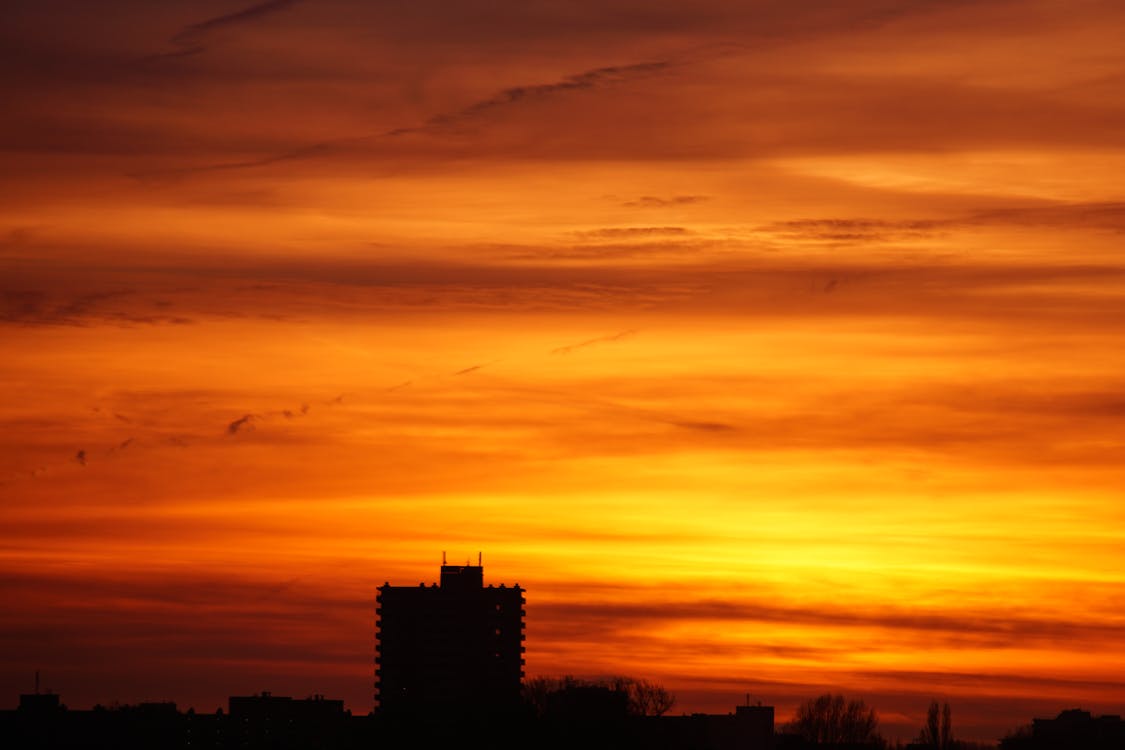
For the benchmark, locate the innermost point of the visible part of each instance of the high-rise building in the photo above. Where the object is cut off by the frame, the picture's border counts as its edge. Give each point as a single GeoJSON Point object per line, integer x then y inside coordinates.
{"type": "Point", "coordinates": [449, 647]}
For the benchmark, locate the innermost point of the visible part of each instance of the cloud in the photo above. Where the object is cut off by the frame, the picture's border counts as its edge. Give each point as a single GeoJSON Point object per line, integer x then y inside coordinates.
{"type": "Point", "coordinates": [246, 420]}
{"type": "Point", "coordinates": [29, 306]}
{"type": "Point", "coordinates": [194, 31]}
{"type": "Point", "coordinates": [294, 413]}
{"type": "Point", "coordinates": [968, 629]}
{"type": "Point", "coordinates": [440, 123]}
{"type": "Point", "coordinates": [652, 201]}
{"type": "Point", "coordinates": [592, 342]}
{"type": "Point", "coordinates": [518, 94]}
{"type": "Point", "coordinates": [190, 39]}
{"type": "Point", "coordinates": [1101, 215]}
{"type": "Point", "coordinates": [1108, 215]}
{"type": "Point", "coordinates": [118, 307]}
{"type": "Point", "coordinates": [628, 232]}
{"type": "Point", "coordinates": [711, 277]}
{"type": "Point", "coordinates": [854, 230]}
{"type": "Point", "coordinates": [705, 426]}
{"type": "Point", "coordinates": [622, 251]}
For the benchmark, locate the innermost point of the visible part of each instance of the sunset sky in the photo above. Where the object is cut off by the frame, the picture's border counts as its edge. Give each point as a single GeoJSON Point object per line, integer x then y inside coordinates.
{"type": "Point", "coordinates": [774, 347]}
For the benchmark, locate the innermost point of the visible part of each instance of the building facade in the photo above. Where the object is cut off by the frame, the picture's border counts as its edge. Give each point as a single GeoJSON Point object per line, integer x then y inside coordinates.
{"type": "Point", "coordinates": [451, 647]}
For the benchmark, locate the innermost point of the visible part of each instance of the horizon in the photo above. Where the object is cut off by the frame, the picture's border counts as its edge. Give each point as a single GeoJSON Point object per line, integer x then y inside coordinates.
{"type": "Point", "coordinates": [773, 348]}
{"type": "Point", "coordinates": [901, 723]}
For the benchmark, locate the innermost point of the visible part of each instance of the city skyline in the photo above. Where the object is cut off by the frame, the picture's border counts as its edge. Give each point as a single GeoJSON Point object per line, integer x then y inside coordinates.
{"type": "Point", "coordinates": [773, 347]}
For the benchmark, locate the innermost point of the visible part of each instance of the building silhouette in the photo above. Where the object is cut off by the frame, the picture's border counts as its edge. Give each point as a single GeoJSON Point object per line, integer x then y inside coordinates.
{"type": "Point", "coordinates": [449, 648]}
{"type": "Point", "coordinates": [748, 728]}
{"type": "Point", "coordinates": [1079, 730]}
{"type": "Point", "coordinates": [279, 722]}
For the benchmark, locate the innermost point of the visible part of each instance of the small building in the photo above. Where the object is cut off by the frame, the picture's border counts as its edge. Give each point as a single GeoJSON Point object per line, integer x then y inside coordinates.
{"type": "Point", "coordinates": [273, 721]}
{"type": "Point", "coordinates": [748, 728]}
{"type": "Point", "coordinates": [1076, 728]}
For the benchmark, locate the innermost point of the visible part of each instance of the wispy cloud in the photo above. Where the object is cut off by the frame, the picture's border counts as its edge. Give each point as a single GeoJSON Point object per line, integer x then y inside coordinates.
{"type": "Point", "coordinates": [705, 426]}
{"type": "Point", "coordinates": [443, 122]}
{"type": "Point", "coordinates": [193, 32]}
{"type": "Point", "coordinates": [617, 233]}
{"type": "Point", "coordinates": [190, 40]}
{"type": "Point", "coordinates": [35, 307]}
{"type": "Point", "coordinates": [245, 421]}
{"type": "Point", "coordinates": [653, 201]}
{"type": "Point", "coordinates": [1002, 630]}
{"type": "Point", "coordinates": [519, 94]}
{"type": "Point", "coordinates": [1095, 214]}
{"type": "Point", "coordinates": [291, 414]}
{"type": "Point", "coordinates": [854, 230]}
{"type": "Point", "coordinates": [1106, 215]}
{"type": "Point", "coordinates": [570, 348]}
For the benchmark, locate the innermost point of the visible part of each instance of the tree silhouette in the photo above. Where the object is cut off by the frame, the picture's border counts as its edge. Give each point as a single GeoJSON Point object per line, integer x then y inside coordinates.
{"type": "Point", "coordinates": [1019, 738]}
{"type": "Point", "coordinates": [536, 692]}
{"type": "Point", "coordinates": [644, 698]}
{"type": "Point", "coordinates": [832, 719]}
{"type": "Point", "coordinates": [937, 733]}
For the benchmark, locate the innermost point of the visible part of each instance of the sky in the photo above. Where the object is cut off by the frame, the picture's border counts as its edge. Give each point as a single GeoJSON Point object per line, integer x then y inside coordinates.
{"type": "Point", "coordinates": [773, 347]}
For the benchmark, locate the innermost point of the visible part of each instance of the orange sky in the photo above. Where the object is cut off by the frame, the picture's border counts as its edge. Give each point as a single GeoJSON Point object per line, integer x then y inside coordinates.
{"type": "Point", "coordinates": [773, 347]}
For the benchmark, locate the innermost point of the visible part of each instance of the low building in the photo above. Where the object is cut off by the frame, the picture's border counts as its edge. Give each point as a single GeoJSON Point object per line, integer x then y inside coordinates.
{"type": "Point", "coordinates": [1076, 728]}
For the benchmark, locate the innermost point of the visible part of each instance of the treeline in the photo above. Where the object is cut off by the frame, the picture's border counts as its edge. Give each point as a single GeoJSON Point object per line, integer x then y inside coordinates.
{"type": "Point", "coordinates": [640, 697]}
{"type": "Point", "coordinates": [828, 720]}
{"type": "Point", "coordinates": [836, 721]}
{"type": "Point", "coordinates": [833, 721]}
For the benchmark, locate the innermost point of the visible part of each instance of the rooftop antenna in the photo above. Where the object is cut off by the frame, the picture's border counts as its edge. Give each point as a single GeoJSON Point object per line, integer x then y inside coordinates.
{"type": "Point", "coordinates": [478, 560]}
{"type": "Point", "coordinates": [443, 557]}
{"type": "Point", "coordinates": [37, 682]}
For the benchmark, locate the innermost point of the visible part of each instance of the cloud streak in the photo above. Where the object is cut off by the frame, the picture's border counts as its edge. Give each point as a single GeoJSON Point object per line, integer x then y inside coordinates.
{"type": "Point", "coordinates": [191, 39]}
{"type": "Point", "coordinates": [584, 81]}
{"type": "Point", "coordinates": [653, 201]}
{"type": "Point", "coordinates": [447, 122]}
{"type": "Point", "coordinates": [968, 630]}
{"type": "Point", "coordinates": [571, 348]}
{"type": "Point", "coordinates": [193, 32]}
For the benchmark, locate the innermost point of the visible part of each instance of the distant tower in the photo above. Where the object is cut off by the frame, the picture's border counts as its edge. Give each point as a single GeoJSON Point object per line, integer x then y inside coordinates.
{"type": "Point", "coordinates": [449, 648]}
